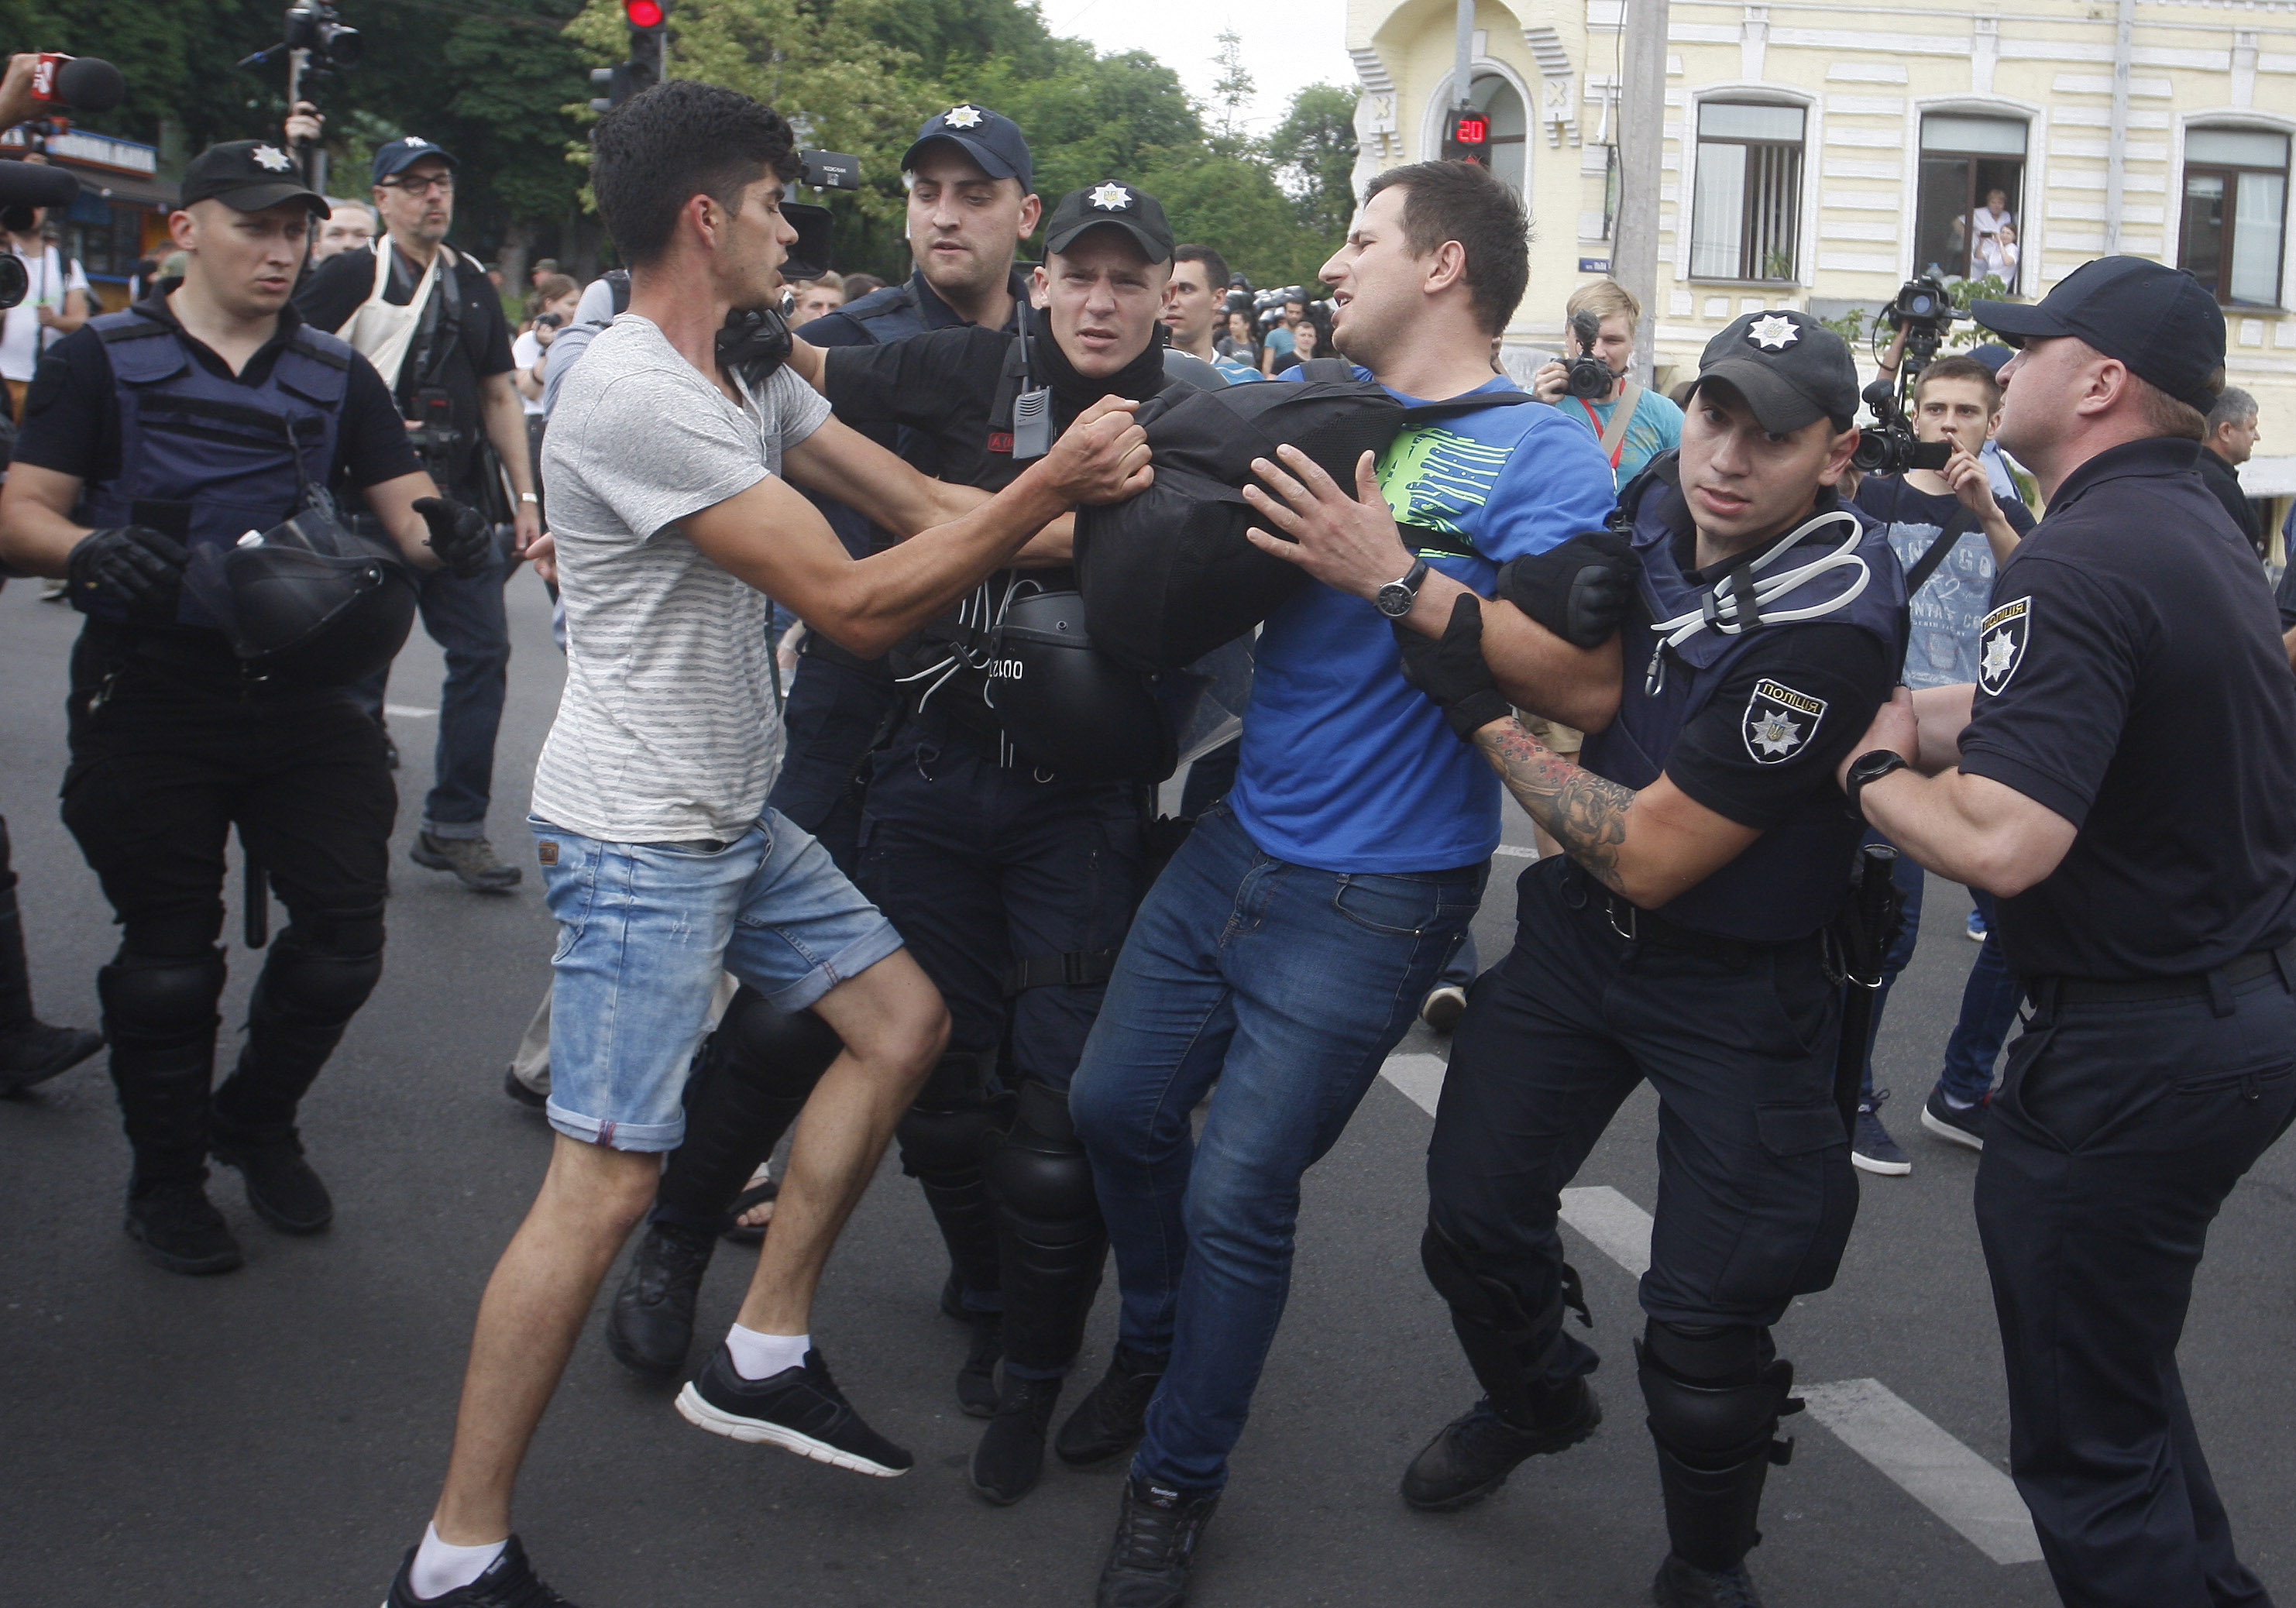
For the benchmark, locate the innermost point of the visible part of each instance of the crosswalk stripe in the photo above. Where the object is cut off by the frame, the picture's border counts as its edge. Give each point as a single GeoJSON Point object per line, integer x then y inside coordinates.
{"type": "Point", "coordinates": [1514, 853]}
{"type": "Point", "coordinates": [1936, 1470]}
{"type": "Point", "coordinates": [1926, 1462]}
{"type": "Point", "coordinates": [407, 711]}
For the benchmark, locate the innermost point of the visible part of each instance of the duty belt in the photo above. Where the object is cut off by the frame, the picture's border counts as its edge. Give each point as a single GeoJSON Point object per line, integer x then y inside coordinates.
{"type": "Point", "coordinates": [2216, 985]}
{"type": "Point", "coordinates": [1638, 925]}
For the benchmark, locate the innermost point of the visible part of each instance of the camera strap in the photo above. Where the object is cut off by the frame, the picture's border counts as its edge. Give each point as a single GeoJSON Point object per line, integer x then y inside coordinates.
{"type": "Point", "coordinates": [1622, 414]}
{"type": "Point", "coordinates": [1960, 525]}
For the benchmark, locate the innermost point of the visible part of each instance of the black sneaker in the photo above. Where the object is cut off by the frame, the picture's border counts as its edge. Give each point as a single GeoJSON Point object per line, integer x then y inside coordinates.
{"type": "Point", "coordinates": [509, 1582]}
{"type": "Point", "coordinates": [1475, 1452]}
{"type": "Point", "coordinates": [1964, 1125]}
{"type": "Point", "coordinates": [180, 1230]}
{"type": "Point", "coordinates": [1111, 1419]}
{"type": "Point", "coordinates": [1873, 1150]}
{"type": "Point", "coordinates": [1681, 1585]}
{"type": "Point", "coordinates": [515, 1087]}
{"type": "Point", "coordinates": [798, 1410]}
{"type": "Point", "coordinates": [1156, 1534]}
{"type": "Point", "coordinates": [976, 1380]}
{"type": "Point", "coordinates": [650, 1328]}
{"type": "Point", "coordinates": [471, 859]}
{"type": "Point", "coordinates": [33, 1052]}
{"type": "Point", "coordinates": [280, 1185]}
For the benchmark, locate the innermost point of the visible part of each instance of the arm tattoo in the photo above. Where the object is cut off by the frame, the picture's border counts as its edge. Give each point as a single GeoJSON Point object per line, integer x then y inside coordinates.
{"type": "Point", "coordinates": [1585, 813]}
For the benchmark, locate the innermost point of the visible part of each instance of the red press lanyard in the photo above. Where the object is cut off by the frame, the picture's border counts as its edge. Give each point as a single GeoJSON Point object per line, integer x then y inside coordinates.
{"type": "Point", "coordinates": [1595, 419]}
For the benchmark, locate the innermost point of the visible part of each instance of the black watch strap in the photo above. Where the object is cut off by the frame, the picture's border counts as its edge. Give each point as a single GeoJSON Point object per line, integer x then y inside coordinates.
{"type": "Point", "coordinates": [1871, 766]}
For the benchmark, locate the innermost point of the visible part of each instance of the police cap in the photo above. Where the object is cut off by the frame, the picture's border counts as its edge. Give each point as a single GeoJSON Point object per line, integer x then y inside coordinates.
{"type": "Point", "coordinates": [1110, 203]}
{"type": "Point", "coordinates": [2159, 321]}
{"type": "Point", "coordinates": [1790, 368]}
{"type": "Point", "coordinates": [248, 176]}
{"type": "Point", "coordinates": [993, 142]}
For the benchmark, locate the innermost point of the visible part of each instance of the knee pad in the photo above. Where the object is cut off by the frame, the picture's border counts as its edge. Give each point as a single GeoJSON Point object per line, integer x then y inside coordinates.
{"type": "Point", "coordinates": [1715, 1393]}
{"type": "Point", "coordinates": [321, 986]}
{"type": "Point", "coordinates": [774, 1051]}
{"type": "Point", "coordinates": [1039, 1173]}
{"type": "Point", "coordinates": [940, 1143]}
{"type": "Point", "coordinates": [160, 995]}
{"type": "Point", "coordinates": [959, 1080]}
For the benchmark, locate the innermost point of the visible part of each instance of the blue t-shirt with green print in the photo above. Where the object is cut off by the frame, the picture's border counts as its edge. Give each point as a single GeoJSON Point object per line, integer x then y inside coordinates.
{"type": "Point", "coordinates": [1346, 766]}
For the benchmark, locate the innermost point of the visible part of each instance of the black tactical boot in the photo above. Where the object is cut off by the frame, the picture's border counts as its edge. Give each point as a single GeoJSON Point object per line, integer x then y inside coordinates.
{"type": "Point", "coordinates": [1156, 1536]}
{"type": "Point", "coordinates": [652, 1326]}
{"type": "Point", "coordinates": [1011, 1456]}
{"type": "Point", "coordinates": [280, 1187]}
{"type": "Point", "coordinates": [1475, 1453]}
{"type": "Point", "coordinates": [33, 1052]}
{"type": "Point", "coordinates": [1109, 1422]}
{"type": "Point", "coordinates": [1681, 1585]}
{"type": "Point", "coordinates": [179, 1227]}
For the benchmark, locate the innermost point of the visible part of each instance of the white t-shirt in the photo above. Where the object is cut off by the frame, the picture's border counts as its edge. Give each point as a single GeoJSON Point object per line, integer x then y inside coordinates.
{"type": "Point", "coordinates": [523, 353]}
{"type": "Point", "coordinates": [20, 342]}
{"type": "Point", "coordinates": [668, 729]}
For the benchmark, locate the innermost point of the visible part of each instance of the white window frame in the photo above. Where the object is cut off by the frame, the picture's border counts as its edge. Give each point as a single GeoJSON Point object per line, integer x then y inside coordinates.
{"type": "Point", "coordinates": [1813, 139]}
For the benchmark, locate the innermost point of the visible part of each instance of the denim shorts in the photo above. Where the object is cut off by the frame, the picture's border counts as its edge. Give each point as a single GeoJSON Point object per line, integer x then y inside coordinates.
{"type": "Point", "coordinates": [643, 931]}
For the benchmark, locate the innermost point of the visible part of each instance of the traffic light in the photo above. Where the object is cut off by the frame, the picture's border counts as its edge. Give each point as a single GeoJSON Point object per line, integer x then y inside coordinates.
{"type": "Point", "coordinates": [649, 21]}
{"type": "Point", "coordinates": [1467, 136]}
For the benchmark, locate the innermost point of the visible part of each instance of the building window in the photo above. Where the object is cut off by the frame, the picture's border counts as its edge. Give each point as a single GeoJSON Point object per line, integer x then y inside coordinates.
{"type": "Point", "coordinates": [2235, 212]}
{"type": "Point", "coordinates": [1968, 219]}
{"type": "Point", "coordinates": [1497, 101]}
{"type": "Point", "coordinates": [1746, 215]}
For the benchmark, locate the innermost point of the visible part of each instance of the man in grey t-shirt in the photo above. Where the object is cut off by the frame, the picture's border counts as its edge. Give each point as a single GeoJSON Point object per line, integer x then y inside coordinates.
{"type": "Point", "coordinates": [660, 860]}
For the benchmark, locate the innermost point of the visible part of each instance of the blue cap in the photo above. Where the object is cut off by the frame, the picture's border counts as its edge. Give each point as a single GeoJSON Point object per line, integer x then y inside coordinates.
{"type": "Point", "coordinates": [397, 156]}
{"type": "Point", "coordinates": [2159, 321]}
{"type": "Point", "coordinates": [993, 142]}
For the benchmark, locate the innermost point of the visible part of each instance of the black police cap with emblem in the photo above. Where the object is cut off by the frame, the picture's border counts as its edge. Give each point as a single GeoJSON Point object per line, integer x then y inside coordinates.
{"type": "Point", "coordinates": [2161, 322]}
{"type": "Point", "coordinates": [993, 142]}
{"type": "Point", "coordinates": [247, 175]}
{"type": "Point", "coordinates": [1112, 203]}
{"type": "Point", "coordinates": [1789, 367]}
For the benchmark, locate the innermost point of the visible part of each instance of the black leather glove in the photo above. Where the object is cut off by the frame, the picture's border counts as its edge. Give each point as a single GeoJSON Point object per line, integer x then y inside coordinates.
{"type": "Point", "coordinates": [132, 566]}
{"type": "Point", "coordinates": [1451, 670]}
{"type": "Point", "coordinates": [1579, 590]}
{"type": "Point", "coordinates": [755, 340]}
{"type": "Point", "coordinates": [459, 536]}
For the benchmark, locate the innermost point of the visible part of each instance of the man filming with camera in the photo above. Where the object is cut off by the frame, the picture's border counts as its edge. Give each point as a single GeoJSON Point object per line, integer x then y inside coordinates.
{"type": "Point", "coordinates": [427, 317]}
{"type": "Point", "coordinates": [1633, 423]}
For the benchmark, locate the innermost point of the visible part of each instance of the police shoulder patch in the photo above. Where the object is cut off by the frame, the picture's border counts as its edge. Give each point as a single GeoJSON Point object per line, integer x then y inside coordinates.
{"type": "Point", "coordinates": [2001, 639]}
{"type": "Point", "coordinates": [1779, 721]}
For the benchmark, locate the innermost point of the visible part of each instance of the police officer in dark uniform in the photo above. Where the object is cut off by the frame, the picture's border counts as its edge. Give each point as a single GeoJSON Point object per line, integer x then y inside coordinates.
{"type": "Point", "coordinates": [2122, 787]}
{"type": "Point", "coordinates": [1683, 939]}
{"type": "Point", "coordinates": [970, 203]}
{"type": "Point", "coordinates": [153, 437]}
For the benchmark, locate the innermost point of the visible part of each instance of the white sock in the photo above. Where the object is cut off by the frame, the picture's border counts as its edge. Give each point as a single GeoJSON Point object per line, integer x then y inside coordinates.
{"type": "Point", "coordinates": [762, 1356]}
{"type": "Point", "coordinates": [440, 1567]}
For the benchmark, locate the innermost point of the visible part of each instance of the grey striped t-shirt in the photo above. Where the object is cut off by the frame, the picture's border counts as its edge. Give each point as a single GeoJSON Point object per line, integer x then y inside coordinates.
{"type": "Point", "coordinates": [667, 728]}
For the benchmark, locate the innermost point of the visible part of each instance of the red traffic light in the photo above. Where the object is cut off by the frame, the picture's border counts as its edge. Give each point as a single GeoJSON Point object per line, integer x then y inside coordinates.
{"type": "Point", "coordinates": [642, 13]}
{"type": "Point", "coordinates": [1469, 131]}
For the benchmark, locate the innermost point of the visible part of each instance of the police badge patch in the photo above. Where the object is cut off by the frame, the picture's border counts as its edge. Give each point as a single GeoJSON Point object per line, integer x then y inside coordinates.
{"type": "Point", "coordinates": [2001, 639]}
{"type": "Point", "coordinates": [1779, 721]}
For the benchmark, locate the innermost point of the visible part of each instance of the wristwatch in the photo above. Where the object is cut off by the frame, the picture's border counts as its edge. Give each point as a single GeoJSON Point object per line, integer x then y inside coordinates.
{"type": "Point", "coordinates": [1394, 599]}
{"type": "Point", "coordinates": [1870, 766]}
{"type": "Point", "coordinates": [528, 497]}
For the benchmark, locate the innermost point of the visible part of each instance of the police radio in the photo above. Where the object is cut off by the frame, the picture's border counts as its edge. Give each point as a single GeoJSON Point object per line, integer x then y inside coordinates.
{"type": "Point", "coordinates": [1032, 409]}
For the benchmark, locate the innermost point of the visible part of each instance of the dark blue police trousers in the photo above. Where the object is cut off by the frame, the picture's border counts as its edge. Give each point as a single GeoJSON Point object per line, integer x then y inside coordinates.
{"type": "Point", "coordinates": [1756, 1193]}
{"type": "Point", "coordinates": [2118, 1131]}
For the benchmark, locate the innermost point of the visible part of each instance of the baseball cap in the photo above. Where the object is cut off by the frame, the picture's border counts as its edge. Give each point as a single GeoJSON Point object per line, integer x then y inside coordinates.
{"type": "Point", "coordinates": [1790, 368]}
{"type": "Point", "coordinates": [397, 156]}
{"type": "Point", "coordinates": [248, 176]}
{"type": "Point", "coordinates": [1993, 355]}
{"type": "Point", "coordinates": [992, 141]}
{"type": "Point", "coordinates": [1111, 203]}
{"type": "Point", "coordinates": [2159, 321]}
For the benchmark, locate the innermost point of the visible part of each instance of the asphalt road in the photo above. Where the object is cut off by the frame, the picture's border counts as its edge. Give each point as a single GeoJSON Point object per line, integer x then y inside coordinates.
{"type": "Point", "coordinates": [275, 1435]}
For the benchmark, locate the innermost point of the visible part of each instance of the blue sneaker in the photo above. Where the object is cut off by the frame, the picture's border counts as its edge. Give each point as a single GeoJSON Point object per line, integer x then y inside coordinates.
{"type": "Point", "coordinates": [1873, 1150]}
{"type": "Point", "coordinates": [1975, 928]}
{"type": "Point", "coordinates": [1956, 1124]}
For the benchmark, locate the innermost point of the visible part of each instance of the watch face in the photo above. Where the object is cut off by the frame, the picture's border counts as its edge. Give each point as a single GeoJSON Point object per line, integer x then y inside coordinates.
{"type": "Point", "coordinates": [1395, 600]}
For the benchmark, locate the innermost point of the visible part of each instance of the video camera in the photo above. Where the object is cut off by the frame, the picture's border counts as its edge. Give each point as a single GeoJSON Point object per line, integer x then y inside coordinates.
{"type": "Point", "coordinates": [316, 26]}
{"type": "Point", "coordinates": [808, 258]}
{"type": "Point", "coordinates": [1586, 375]}
{"type": "Point", "coordinates": [1889, 447]}
{"type": "Point", "coordinates": [434, 436]}
{"type": "Point", "coordinates": [1923, 308]}
{"type": "Point", "coordinates": [23, 186]}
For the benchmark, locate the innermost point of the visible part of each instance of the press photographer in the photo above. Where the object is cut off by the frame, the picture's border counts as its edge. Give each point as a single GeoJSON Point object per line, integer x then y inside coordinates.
{"type": "Point", "coordinates": [1633, 423]}
{"type": "Point", "coordinates": [428, 318]}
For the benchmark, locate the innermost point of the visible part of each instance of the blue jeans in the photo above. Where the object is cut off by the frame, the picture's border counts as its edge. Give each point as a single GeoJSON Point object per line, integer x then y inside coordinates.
{"type": "Point", "coordinates": [1988, 1004]}
{"type": "Point", "coordinates": [1288, 986]}
{"type": "Point", "coordinates": [466, 617]}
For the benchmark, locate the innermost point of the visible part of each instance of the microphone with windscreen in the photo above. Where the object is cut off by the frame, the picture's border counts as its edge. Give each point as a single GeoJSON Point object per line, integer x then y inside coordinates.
{"type": "Point", "coordinates": [83, 83]}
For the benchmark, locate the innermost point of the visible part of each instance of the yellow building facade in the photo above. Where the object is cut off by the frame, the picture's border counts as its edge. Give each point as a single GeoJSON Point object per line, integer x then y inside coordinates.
{"type": "Point", "coordinates": [1818, 155]}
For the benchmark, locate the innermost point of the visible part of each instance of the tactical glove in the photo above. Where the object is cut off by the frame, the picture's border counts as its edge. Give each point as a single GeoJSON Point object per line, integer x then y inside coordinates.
{"type": "Point", "coordinates": [130, 566]}
{"type": "Point", "coordinates": [1452, 671]}
{"type": "Point", "coordinates": [459, 536]}
{"type": "Point", "coordinates": [1579, 590]}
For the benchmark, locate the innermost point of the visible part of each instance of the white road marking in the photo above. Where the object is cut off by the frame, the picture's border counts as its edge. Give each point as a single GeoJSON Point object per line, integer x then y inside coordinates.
{"type": "Point", "coordinates": [1953, 1482]}
{"type": "Point", "coordinates": [1936, 1470]}
{"type": "Point", "coordinates": [408, 711]}
{"type": "Point", "coordinates": [1514, 853]}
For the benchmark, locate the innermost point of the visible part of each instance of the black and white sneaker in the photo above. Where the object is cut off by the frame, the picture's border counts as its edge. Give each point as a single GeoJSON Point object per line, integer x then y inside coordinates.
{"type": "Point", "coordinates": [798, 1410]}
{"type": "Point", "coordinates": [1955, 1125]}
{"type": "Point", "coordinates": [1873, 1150]}
{"type": "Point", "coordinates": [1156, 1534]}
{"type": "Point", "coordinates": [509, 1582]}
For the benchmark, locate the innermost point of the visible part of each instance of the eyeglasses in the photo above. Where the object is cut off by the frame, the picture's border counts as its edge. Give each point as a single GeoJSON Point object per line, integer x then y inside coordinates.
{"type": "Point", "coordinates": [443, 183]}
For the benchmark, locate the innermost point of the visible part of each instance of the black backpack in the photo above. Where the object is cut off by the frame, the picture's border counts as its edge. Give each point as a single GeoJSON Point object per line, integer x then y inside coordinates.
{"type": "Point", "coordinates": [1169, 575]}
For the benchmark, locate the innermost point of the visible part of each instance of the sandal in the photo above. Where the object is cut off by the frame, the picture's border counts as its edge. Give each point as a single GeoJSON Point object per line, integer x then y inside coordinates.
{"type": "Point", "coordinates": [762, 1188]}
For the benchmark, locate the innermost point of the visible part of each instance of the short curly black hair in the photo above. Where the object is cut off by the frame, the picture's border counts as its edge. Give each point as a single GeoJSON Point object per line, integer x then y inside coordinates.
{"type": "Point", "coordinates": [659, 150]}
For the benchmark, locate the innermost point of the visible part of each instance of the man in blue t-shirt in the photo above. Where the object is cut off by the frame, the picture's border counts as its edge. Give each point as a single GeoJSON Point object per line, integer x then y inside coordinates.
{"type": "Point", "coordinates": [1284, 949]}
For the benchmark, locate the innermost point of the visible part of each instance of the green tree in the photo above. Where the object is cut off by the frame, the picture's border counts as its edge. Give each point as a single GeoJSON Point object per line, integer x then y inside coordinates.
{"type": "Point", "coordinates": [1312, 152]}
{"type": "Point", "coordinates": [1230, 91]}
